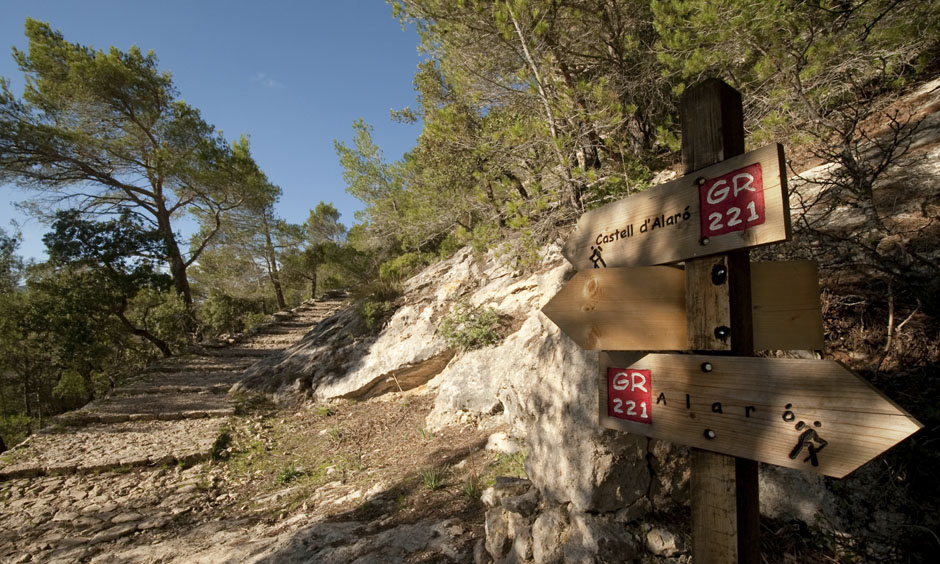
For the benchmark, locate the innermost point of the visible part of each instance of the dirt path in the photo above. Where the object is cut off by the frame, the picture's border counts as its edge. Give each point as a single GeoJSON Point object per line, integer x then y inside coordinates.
{"type": "Point", "coordinates": [128, 463]}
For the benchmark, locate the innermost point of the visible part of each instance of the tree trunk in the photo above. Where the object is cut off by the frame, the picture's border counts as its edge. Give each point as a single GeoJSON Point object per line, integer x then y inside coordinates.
{"type": "Point", "coordinates": [273, 273]}
{"type": "Point", "coordinates": [162, 345]}
{"type": "Point", "coordinates": [26, 404]}
{"type": "Point", "coordinates": [313, 286]}
{"type": "Point", "coordinates": [173, 254]}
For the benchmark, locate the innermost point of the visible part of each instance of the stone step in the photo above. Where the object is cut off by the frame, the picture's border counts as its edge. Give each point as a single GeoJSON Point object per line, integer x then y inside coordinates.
{"type": "Point", "coordinates": [101, 447]}
{"type": "Point", "coordinates": [296, 324]}
{"type": "Point", "coordinates": [198, 378]}
{"type": "Point", "coordinates": [196, 364]}
{"type": "Point", "coordinates": [279, 329]}
{"type": "Point", "coordinates": [272, 342]}
{"type": "Point", "coordinates": [158, 406]}
{"type": "Point", "coordinates": [235, 353]}
{"type": "Point", "coordinates": [69, 519]}
{"type": "Point", "coordinates": [171, 389]}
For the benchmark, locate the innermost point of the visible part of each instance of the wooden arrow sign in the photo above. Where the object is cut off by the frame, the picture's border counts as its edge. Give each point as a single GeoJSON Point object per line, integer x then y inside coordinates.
{"type": "Point", "coordinates": [644, 308]}
{"type": "Point", "coordinates": [813, 415]}
{"type": "Point", "coordinates": [737, 203]}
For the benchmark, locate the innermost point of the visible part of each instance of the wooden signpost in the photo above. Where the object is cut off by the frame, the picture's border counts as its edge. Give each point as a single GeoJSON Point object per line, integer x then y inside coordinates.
{"type": "Point", "coordinates": [733, 409]}
{"type": "Point", "coordinates": [813, 415]}
{"type": "Point", "coordinates": [644, 308]}
{"type": "Point", "coordinates": [739, 202]}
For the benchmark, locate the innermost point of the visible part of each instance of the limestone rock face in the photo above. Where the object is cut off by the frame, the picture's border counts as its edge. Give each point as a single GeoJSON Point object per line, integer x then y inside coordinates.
{"type": "Point", "coordinates": [546, 388]}
{"type": "Point", "coordinates": [549, 533]}
{"type": "Point", "coordinates": [596, 538]}
{"type": "Point", "coordinates": [790, 494]}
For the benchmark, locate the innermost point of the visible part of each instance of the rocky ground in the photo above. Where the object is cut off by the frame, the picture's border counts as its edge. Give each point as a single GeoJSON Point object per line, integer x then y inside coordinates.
{"type": "Point", "coordinates": [134, 463]}
{"type": "Point", "coordinates": [172, 468]}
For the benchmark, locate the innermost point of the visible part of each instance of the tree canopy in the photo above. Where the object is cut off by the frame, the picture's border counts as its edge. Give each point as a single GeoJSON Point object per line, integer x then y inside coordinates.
{"type": "Point", "coordinates": [104, 132]}
{"type": "Point", "coordinates": [535, 110]}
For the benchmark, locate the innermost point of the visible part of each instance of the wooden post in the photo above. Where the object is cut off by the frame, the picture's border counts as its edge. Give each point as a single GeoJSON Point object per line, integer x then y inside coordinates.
{"type": "Point", "coordinates": [725, 509]}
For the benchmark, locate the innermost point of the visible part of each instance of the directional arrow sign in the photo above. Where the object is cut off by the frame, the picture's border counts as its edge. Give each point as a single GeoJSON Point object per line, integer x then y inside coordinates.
{"type": "Point", "coordinates": [813, 415]}
{"type": "Point", "coordinates": [644, 308]}
{"type": "Point", "coordinates": [737, 203]}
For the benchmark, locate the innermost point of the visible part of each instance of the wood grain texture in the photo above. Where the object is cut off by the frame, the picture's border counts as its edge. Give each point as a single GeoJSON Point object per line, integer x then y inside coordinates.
{"type": "Point", "coordinates": [707, 305]}
{"type": "Point", "coordinates": [679, 240]}
{"type": "Point", "coordinates": [712, 120]}
{"type": "Point", "coordinates": [785, 305]}
{"type": "Point", "coordinates": [713, 488]}
{"type": "Point", "coordinates": [856, 420]}
{"type": "Point", "coordinates": [644, 308]}
{"type": "Point", "coordinates": [640, 308]}
{"type": "Point", "coordinates": [712, 124]}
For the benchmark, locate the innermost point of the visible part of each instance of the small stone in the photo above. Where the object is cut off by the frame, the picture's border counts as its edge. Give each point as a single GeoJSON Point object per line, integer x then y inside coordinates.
{"type": "Point", "coordinates": [522, 504]}
{"type": "Point", "coordinates": [480, 555]}
{"type": "Point", "coordinates": [634, 512]}
{"type": "Point", "coordinates": [126, 517]}
{"type": "Point", "coordinates": [504, 487]}
{"type": "Point", "coordinates": [86, 521]}
{"type": "Point", "coordinates": [502, 443]}
{"type": "Point", "coordinates": [548, 533]}
{"type": "Point", "coordinates": [498, 539]}
{"type": "Point", "coordinates": [662, 542]}
{"type": "Point", "coordinates": [65, 516]}
{"type": "Point", "coordinates": [113, 533]}
{"type": "Point", "coordinates": [376, 490]}
{"type": "Point", "coordinates": [155, 522]}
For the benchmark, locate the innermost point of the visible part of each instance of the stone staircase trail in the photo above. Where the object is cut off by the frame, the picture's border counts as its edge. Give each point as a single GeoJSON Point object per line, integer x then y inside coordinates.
{"type": "Point", "coordinates": [116, 466]}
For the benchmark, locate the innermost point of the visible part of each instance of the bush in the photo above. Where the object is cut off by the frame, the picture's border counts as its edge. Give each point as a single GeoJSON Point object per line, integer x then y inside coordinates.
{"type": "Point", "coordinates": [222, 313]}
{"type": "Point", "coordinates": [253, 319]}
{"type": "Point", "coordinates": [433, 478]}
{"type": "Point", "coordinates": [402, 267]}
{"type": "Point", "coordinates": [71, 390]}
{"type": "Point", "coordinates": [372, 312]}
{"type": "Point", "coordinates": [167, 317]}
{"type": "Point", "coordinates": [467, 327]}
{"type": "Point", "coordinates": [14, 428]}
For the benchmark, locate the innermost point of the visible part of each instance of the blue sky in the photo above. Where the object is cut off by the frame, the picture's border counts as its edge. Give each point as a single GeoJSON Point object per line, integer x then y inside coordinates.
{"type": "Point", "coordinates": [293, 75]}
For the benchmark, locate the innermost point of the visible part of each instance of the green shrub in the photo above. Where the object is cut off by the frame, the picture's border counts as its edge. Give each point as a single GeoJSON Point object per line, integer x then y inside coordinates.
{"type": "Point", "coordinates": [472, 487]}
{"type": "Point", "coordinates": [253, 319]}
{"type": "Point", "coordinates": [485, 236]}
{"type": "Point", "coordinates": [166, 316]}
{"type": "Point", "coordinates": [402, 267]}
{"type": "Point", "coordinates": [71, 390]}
{"type": "Point", "coordinates": [221, 444]}
{"type": "Point", "coordinates": [467, 327]}
{"type": "Point", "coordinates": [14, 428]}
{"type": "Point", "coordinates": [222, 313]}
{"type": "Point", "coordinates": [372, 312]}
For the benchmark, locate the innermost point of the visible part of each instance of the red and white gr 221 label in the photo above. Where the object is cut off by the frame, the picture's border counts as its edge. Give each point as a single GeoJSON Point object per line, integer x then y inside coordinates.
{"type": "Point", "coordinates": [732, 202]}
{"type": "Point", "coordinates": [629, 394]}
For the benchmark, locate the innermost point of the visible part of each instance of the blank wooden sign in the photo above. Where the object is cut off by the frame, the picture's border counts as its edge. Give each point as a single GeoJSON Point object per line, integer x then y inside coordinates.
{"type": "Point", "coordinates": [644, 308]}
